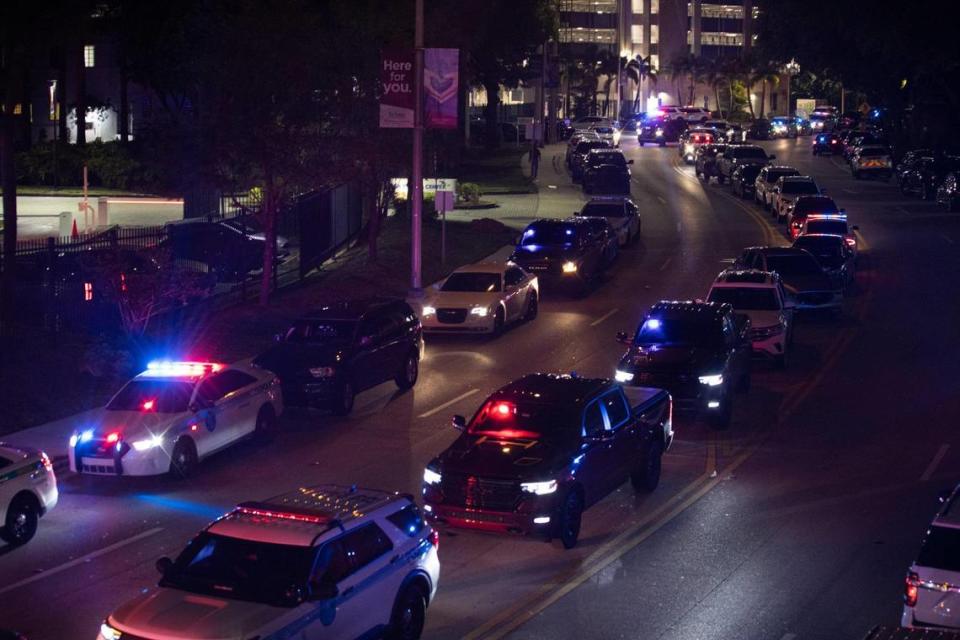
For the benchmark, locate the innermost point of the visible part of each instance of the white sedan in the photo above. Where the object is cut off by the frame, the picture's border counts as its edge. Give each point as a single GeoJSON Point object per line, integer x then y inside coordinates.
{"type": "Point", "coordinates": [621, 212]}
{"type": "Point", "coordinates": [28, 489]}
{"type": "Point", "coordinates": [173, 415]}
{"type": "Point", "coordinates": [481, 298]}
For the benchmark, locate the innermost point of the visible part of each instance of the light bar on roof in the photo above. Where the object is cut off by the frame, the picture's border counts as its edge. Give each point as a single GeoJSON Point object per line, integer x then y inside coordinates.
{"type": "Point", "coordinates": [176, 368]}
{"type": "Point", "coordinates": [279, 515]}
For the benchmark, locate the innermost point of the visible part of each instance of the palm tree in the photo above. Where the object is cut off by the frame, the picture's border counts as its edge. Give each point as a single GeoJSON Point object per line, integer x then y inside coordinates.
{"type": "Point", "coordinates": [764, 72]}
{"type": "Point", "coordinates": [639, 69]}
{"type": "Point", "coordinates": [678, 67]}
{"type": "Point", "coordinates": [715, 75]}
{"type": "Point", "coordinates": [607, 66]}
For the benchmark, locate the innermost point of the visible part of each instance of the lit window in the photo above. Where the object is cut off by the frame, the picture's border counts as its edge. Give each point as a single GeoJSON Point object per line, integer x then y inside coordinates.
{"type": "Point", "coordinates": [636, 34]}
{"type": "Point", "coordinates": [18, 109]}
{"type": "Point", "coordinates": [637, 6]}
{"type": "Point", "coordinates": [89, 56]}
{"type": "Point", "coordinates": [655, 61]}
{"type": "Point", "coordinates": [654, 6]}
{"type": "Point", "coordinates": [654, 34]}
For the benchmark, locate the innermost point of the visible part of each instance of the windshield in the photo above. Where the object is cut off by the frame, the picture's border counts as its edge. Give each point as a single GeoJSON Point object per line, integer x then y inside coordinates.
{"type": "Point", "coordinates": [585, 146]}
{"type": "Point", "coordinates": [749, 152]}
{"type": "Point", "coordinates": [799, 187]}
{"type": "Point", "coordinates": [526, 420]}
{"type": "Point", "coordinates": [818, 205]}
{"type": "Point", "coordinates": [677, 331]}
{"type": "Point", "coordinates": [598, 159]}
{"type": "Point", "coordinates": [158, 396]}
{"type": "Point", "coordinates": [476, 282]}
{"type": "Point", "coordinates": [773, 176]}
{"type": "Point", "coordinates": [605, 130]}
{"type": "Point", "coordinates": [793, 265]}
{"type": "Point", "coordinates": [320, 331]}
{"type": "Point", "coordinates": [833, 227]}
{"type": "Point", "coordinates": [941, 549]}
{"type": "Point", "coordinates": [549, 233]}
{"type": "Point", "coordinates": [240, 569]}
{"type": "Point", "coordinates": [610, 210]}
{"type": "Point", "coordinates": [746, 298]}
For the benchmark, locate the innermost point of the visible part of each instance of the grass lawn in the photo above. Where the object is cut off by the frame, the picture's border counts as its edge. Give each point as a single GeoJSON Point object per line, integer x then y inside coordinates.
{"type": "Point", "coordinates": [44, 377]}
{"type": "Point", "coordinates": [496, 171]}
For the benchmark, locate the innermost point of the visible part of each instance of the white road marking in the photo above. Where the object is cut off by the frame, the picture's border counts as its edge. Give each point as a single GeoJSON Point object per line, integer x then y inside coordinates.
{"type": "Point", "coordinates": [604, 317]}
{"type": "Point", "coordinates": [662, 199]}
{"type": "Point", "coordinates": [947, 238]}
{"type": "Point", "coordinates": [666, 263]}
{"type": "Point", "coordinates": [850, 191]}
{"type": "Point", "coordinates": [448, 403]}
{"type": "Point", "coordinates": [81, 560]}
{"type": "Point", "coordinates": [932, 467]}
{"type": "Point", "coordinates": [551, 186]}
{"type": "Point", "coordinates": [789, 636]}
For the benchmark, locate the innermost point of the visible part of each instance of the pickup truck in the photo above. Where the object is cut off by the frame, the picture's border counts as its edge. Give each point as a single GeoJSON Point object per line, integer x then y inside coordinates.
{"type": "Point", "coordinates": [737, 155]}
{"type": "Point", "coordinates": [544, 448]}
{"type": "Point", "coordinates": [698, 351]}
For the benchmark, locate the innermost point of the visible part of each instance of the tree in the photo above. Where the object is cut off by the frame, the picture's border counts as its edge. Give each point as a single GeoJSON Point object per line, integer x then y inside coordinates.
{"type": "Point", "coordinates": [639, 69]}
{"type": "Point", "coordinates": [715, 76]}
{"type": "Point", "coordinates": [763, 72]}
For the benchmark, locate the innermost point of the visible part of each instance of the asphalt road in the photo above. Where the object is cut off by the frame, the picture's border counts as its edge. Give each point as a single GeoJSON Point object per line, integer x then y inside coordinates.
{"type": "Point", "coordinates": [798, 522]}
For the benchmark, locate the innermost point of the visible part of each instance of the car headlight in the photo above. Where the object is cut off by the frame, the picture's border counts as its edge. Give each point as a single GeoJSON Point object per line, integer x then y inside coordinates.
{"type": "Point", "coordinates": [540, 488]}
{"type": "Point", "coordinates": [109, 633]}
{"type": "Point", "coordinates": [149, 443]}
{"type": "Point", "coordinates": [431, 477]}
{"type": "Point", "coordinates": [429, 311]}
{"type": "Point", "coordinates": [658, 133]}
{"type": "Point", "coordinates": [712, 381]}
{"type": "Point", "coordinates": [74, 439]}
{"type": "Point", "coordinates": [86, 436]}
{"type": "Point", "coordinates": [569, 267]}
{"type": "Point", "coordinates": [322, 372]}
{"type": "Point", "coordinates": [479, 311]}
{"type": "Point", "coordinates": [623, 376]}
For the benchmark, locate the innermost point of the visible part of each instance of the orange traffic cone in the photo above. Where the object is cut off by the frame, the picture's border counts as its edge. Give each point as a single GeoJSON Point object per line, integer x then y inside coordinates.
{"type": "Point", "coordinates": [73, 232]}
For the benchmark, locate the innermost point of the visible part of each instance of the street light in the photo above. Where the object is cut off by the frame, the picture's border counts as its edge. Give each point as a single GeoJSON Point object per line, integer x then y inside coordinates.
{"type": "Point", "coordinates": [792, 68]}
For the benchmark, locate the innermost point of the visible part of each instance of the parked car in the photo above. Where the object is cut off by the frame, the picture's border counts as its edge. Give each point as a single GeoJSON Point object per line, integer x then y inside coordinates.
{"type": "Point", "coordinates": [705, 165]}
{"type": "Point", "coordinates": [909, 161]}
{"type": "Point", "coordinates": [760, 129]}
{"type": "Point", "coordinates": [807, 206]}
{"type": "Point", "coordinates": [810, 289]}
{"type": "Point", "coordinates": [579, 155]}
{"type": "Point", "coordinates": [826, 144]}
{"type": "Point", "coordinates": [694, 115]}
{"type": "Point", "coordinates": [872, 160]}
{"type": "Point", "coordinates": [339, 350]}
{"type": "Point", "coordinates": [322, 561]}
{"type": "Point", "coordinates": [542, 449]}
{"type": "Point", "coordinates": [588, 122]}
{"type": "Point", "coordinates": [743, 181]}
{"type": "Point", "coordinates": [766, 182]}
{"type": "Point", "coordinates": [606, 171]}
{"type": "Point", "coordinates": [948, 193]}
{"type": "Point", "coordinates": [571, 253]}
{"type": "Point", "coordinates": [788, 189]}
{"type": "Point", "coordinates": [761, 297]}
{"type": "Point", "coordinates": [28, 491]}
{"type": "Point", "coordinates": [691, 140]}
{"type": "Point", "coordinates": [833, 254]}
{"type": "Point", "coordinates": [481, 298]}
{"type": "Point", "coordinates": [661, 130]}
{"type": "Point", "coordinates": [833, 224]}
{"type": "Point", "coordinates": [925, 177]}
{"type": "Point", "coordinates": [575, 139]}
{"type": "Point", "coordinates": [698, 351]}
{"type": "Point", "coordinates": [608, 134]}
{"type": "Point", "coordinates": [622, 214]}
{"type": "Point", "coordinates": [740, 154]}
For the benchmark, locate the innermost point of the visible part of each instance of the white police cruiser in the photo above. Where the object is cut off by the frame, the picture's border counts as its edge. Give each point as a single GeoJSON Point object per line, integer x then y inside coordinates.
{"type": "Point", "coordinates": [173, 415]}
{"type": "Point", "coordinates": [28, 489]}
{"type": "Point", "coordinates": [320, 562]}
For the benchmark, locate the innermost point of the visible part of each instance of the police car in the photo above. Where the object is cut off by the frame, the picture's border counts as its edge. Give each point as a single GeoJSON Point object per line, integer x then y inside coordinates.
{"type": "Point", "coordinates": [28, 489]}
{"type": "Point", "coordinates": [320, 562]}
{"type": "Point", "coordinates": [173, 415]}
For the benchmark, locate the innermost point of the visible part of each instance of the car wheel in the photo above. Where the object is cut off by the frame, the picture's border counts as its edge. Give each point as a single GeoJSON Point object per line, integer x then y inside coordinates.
{"type": "Point", "coordinates": [184, 459]}
{"type": "Point", "coordinates": [266, 427]}
{"type": "Point", "coordinates": [646, 475]}
{"type": "Point", "coordinates": [410, 371]}
{"type": "Point", "coordinates": [571, 514]}
{"type": "Point", "coordinates": [21, 521]}
{"type": "Point", "coordinates": [409, 615]}
{"type": "Point", "coordinates": [498, 321]}
{"type": "Point", "coordinates": [532, 308]}
{"type": "Point", "coordinates": [343, 403]}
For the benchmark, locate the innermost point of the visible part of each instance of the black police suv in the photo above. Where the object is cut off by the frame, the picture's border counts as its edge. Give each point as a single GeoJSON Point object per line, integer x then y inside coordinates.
{"type": "Point", "coordinates": [570, 253]}
{"type": "Point", "coordinates": [698, 351]}
{"type": "Point", "coordinates": [335, 352]}
{"type": "Point", "coordinates": [606, 171]}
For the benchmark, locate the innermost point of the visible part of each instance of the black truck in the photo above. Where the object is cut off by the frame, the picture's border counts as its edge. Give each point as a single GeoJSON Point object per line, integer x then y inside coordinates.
{"type": "Point", "coordinates": [698, 351]}
{"type": "Point", "coordinates": [542, 449]}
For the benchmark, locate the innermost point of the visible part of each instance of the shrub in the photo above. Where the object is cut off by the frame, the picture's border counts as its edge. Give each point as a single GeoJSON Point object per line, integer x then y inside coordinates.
{"type": "Point", "coordinates": [468, 192]}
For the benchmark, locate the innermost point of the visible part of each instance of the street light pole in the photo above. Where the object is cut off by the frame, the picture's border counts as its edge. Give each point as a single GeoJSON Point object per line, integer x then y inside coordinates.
{"type": "Point", "coordinates": [416, 189]}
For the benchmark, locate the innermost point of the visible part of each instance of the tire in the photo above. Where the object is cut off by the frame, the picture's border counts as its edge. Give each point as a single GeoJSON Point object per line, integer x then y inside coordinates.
{"type": "Point", "coordinates": [266, 428]}
{"type": "Point", "coordinates": [533, 307]}
{"type": "Point", "coordinates": [184, 459]}
{"type": "Point", "coordinates": [646, 475]}
{"type": "Point", "coordinates": [568, 522]}
{"type": "Point", "coordinates": [409, 615]}
{"type": "Point", "coordinates": [498, 322]}
{"type": "Point", "coordinates": [21, 521]}
{"type": "Point", "coordinates": [343, 403]}
{"type": "Point", "coordinates": [409, 371]}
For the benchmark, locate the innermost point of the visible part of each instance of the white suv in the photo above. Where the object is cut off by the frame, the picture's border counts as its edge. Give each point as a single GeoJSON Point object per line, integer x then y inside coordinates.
{"type": "Point", "coordinates": [28, 489]}
{"type": "Point", "coordinates": [931, 594]}
{"type": "Point", "coordinates": [326, 561]}
{"type": "Point", "coordinates": [760, 296]}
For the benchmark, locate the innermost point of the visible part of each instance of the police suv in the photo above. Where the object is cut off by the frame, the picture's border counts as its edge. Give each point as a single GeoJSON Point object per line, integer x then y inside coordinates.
{"type": "Point", "coordinates": [320, 562]}
{"type": "Point", "coordinates": [173, 415]}
{"type": "Point", "coordinates": [28, 489]}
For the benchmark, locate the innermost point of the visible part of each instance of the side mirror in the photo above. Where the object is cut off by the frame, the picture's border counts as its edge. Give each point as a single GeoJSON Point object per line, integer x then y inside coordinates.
{"type": "Point", "coordinates": [459, 422]}
{"type": "Point", "coordinates": [630, 161]}
{"type": "Point", "coordinates": [622, 337]}
{"type": "Point", "coordinates": [164, 565]}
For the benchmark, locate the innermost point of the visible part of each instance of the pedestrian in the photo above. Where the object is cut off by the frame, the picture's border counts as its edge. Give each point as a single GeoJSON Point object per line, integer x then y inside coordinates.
{"type": "Point", "coordinates": [534, 160]}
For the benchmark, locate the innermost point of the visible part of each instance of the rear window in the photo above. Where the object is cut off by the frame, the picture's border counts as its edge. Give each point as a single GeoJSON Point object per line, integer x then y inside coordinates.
{"type": "Point", "coordinates": [583, 147]}
{"type": "Point", "coordinates": [746, 298]}
{"type": "Point", "coordinates": [834, 227]}
{"type": "Point", "coordinates": [799, 187]}
{"type": "Point", "coordinates": [793, 265]}
{"type": "Point", "coordinates": [873, 152]}
{"type": "Point", "coordinates": [941, 549]}
{"type": "Point", "coordinates": [821, 246]}
{"type": "Point", "coordinates": [408, 520]}
{"type": "Point", "coordinates": [815, 205]}
{"type": "Point", "coordinates": [597, 159]}
{"type": "Point", "coordinates": [774, 175]}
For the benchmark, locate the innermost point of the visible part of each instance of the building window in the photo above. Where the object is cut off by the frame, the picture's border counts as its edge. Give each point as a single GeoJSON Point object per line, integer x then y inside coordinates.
{"type": "Point", "coordinates": [724, 11]}
{"type": "Point", "coordinates": [581, 34]}
{"type": "Point", "coordinates": [717, 39]}
{"type": "Point", "coordinates": [18, 109]}
{"type": "Point", "coordinates": [655, 61]}
{"type": "Point", "coordinates": [654, 34]}
{"type": "Point", "coordinates": [89, 56]}
{"type": "Point", "coordinates": [636, 34]}
{"type": "Point", "coordinates": [589, 6]}
{"type": "Point", "coordinates": [637, 7]}
{"type": "Point", "coordinates": [654, 6]}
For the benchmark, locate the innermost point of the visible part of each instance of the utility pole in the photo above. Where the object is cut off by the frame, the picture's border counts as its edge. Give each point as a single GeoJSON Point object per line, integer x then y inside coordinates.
{"type": "Point", "coordinates": [416, 189]}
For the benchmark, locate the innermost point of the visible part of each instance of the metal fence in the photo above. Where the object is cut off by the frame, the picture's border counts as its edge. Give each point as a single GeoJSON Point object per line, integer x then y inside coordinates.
{"type": "Point", "coordinates": [55, 288]}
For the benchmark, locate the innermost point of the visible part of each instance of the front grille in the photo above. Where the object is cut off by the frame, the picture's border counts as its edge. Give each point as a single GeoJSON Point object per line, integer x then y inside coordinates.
{"type": "Point", "coordinates": [479, 493]}
{"type": "Point", "coordinates": [678, 384]}
{"type": "Point", "coordinates": [539, 267]}
{"type": "Point", "coordinates": [451, 316]}
{"type": "Point", "coordinates": [818, 297]}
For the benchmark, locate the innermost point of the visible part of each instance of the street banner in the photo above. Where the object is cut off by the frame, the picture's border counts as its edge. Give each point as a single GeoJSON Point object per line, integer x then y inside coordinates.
{"type": "Point", "coordinates": [441, 83]}
{"type": "Point", "coordinates": [396, 99]}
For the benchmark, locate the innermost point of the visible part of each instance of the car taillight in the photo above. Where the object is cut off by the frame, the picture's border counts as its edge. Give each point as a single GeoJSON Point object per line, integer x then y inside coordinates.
{"type": "Point", "coordinates": [434, 538]}
{"type": "Point", "coordinates": [911, 588]}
